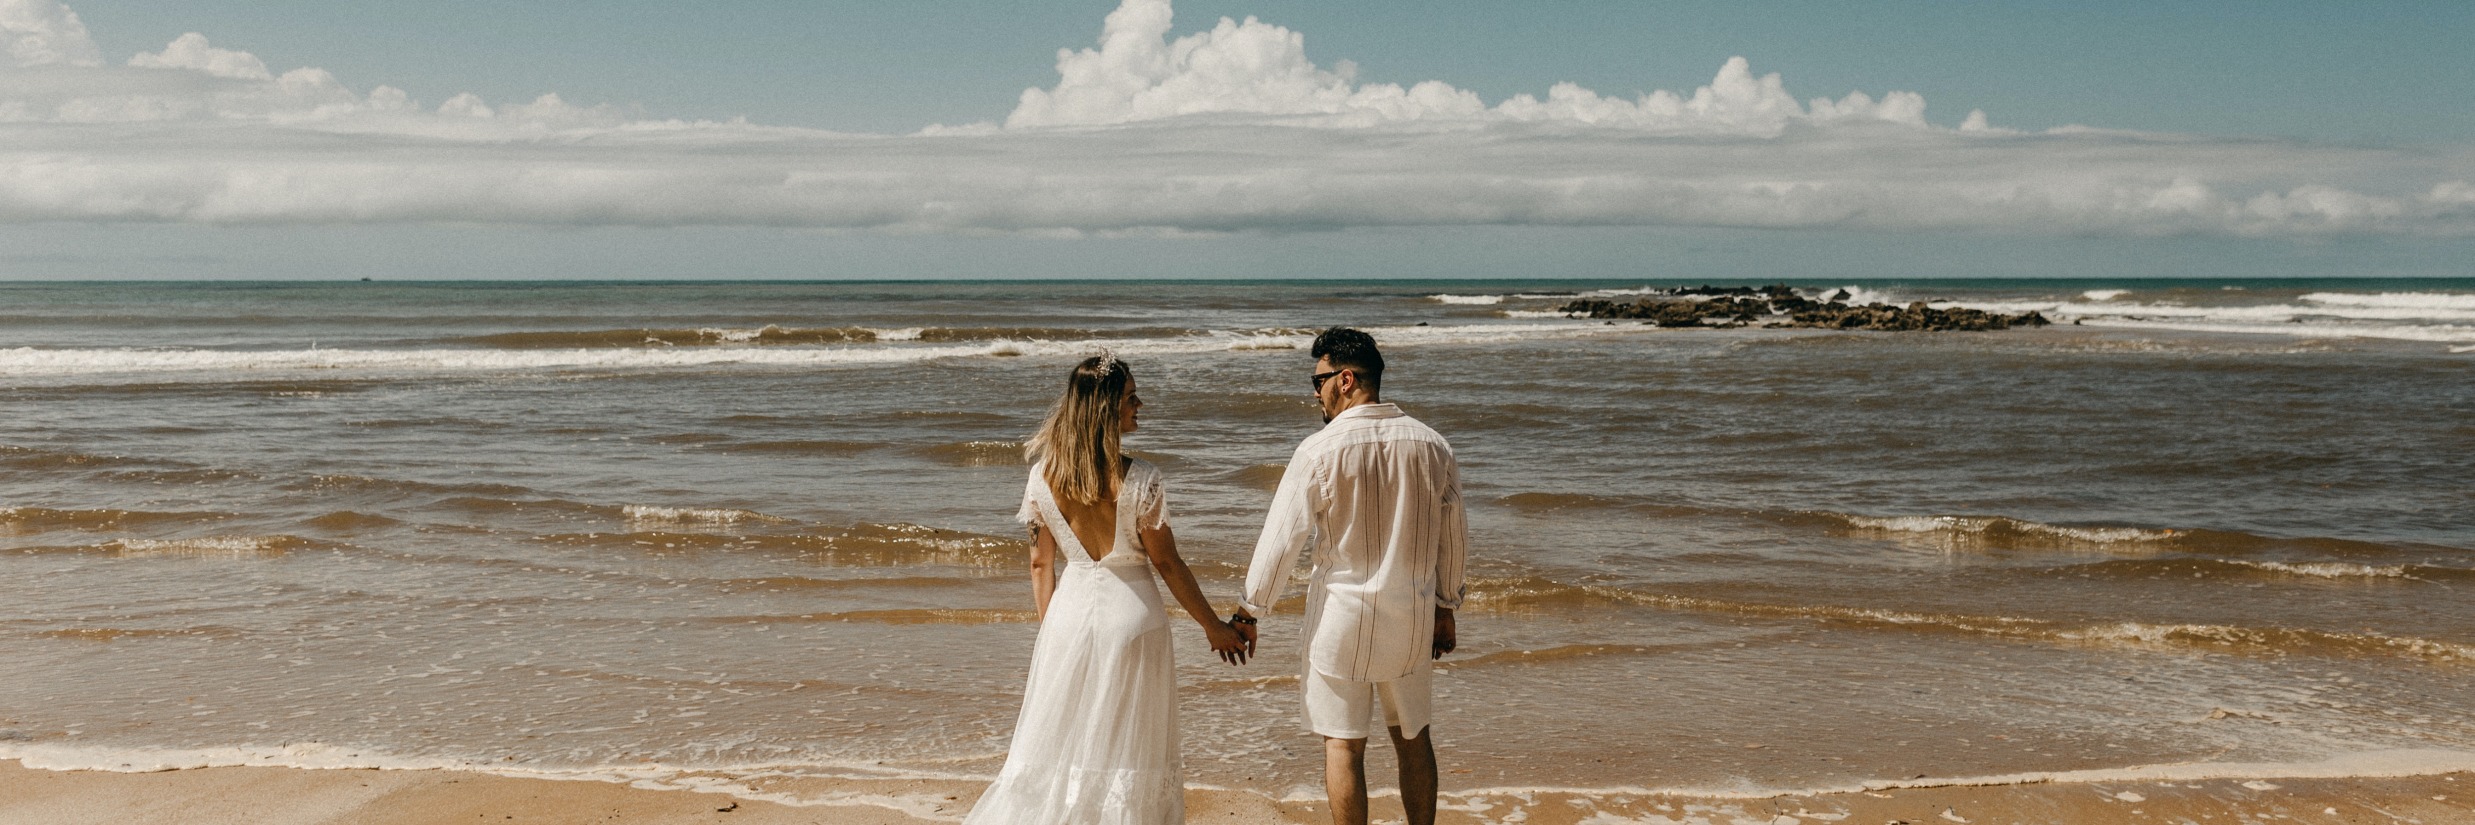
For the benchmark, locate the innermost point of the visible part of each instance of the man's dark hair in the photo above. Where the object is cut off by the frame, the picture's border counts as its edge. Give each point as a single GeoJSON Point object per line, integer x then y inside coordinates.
{"type": "Point", "coordinates": [1350, 349]}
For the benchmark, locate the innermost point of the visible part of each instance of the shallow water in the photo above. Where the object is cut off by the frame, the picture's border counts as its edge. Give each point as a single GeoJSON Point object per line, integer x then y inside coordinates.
{"type": "Point", "coordinates": [752, 526]}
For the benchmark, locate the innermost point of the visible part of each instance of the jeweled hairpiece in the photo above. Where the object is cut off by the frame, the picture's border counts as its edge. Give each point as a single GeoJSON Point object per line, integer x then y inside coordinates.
{"type": "Point", "coordinates": [1107, 363]}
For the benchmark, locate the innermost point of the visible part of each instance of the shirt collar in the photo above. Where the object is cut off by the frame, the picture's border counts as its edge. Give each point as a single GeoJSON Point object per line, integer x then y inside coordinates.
{"type": "Point", "coordinates": [1381, 410]}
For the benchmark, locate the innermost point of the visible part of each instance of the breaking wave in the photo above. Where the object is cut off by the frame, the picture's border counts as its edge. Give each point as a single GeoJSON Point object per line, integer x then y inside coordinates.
{"type": "Point", "coordinates": [708, 336]}
{"type": "Point", "coordinates": [2405, 316]}
{"type": "Point", "coordinates": [1999, 532]}
{"type": "Point", "coordinates": [2249, 569]}
{"type": "Point", "coordinates": [29, 520]}
{"type": "Point", "coordinates": [2405, 300]}
{"type": "Point", "coordinates": [641, 513]}
{"type": "Point", "coordinates": [931, 344]}
{"type": "Point", "coordinates": [1986, 532]}
{"type": "Point", "coordinates": [2005, 531]}
{"type": "Point", "coordinates": [1514, 594]}
{"type": "Point", "coordinates": [205, 547]}
{"type": "Point", "coordinates": [865, 545]}
{"type": "Point", "coordinates": [979, 453]}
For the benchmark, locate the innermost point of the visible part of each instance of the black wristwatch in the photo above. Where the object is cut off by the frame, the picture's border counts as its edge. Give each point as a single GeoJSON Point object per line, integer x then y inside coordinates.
{"type": "Point", "coordinates": [1241, 618]}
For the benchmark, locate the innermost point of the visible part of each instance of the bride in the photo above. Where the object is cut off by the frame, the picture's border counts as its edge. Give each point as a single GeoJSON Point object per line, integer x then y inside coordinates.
{"type": "Point", "coordinates": [1097, 741]}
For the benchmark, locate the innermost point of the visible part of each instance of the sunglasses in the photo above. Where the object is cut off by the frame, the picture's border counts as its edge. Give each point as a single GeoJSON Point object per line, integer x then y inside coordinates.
{"type": "Point", "coordinates": [1318, 378]}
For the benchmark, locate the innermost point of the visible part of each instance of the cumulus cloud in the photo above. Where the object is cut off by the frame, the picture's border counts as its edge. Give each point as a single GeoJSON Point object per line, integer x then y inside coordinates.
{"type": "Point", "coordinates": [45, 33]}
{"type": "Point", "coordinates": [1229, 129]}
{"type": "Point", "coordinates": [1255, 68]}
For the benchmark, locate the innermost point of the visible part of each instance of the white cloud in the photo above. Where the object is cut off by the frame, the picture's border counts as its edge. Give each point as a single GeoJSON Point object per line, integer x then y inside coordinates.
{"type": "Point", "coordinates": [1256, 68]}
{"type": "Point", "coordinates": [1229, 129]}
{"type": "Point", "coordinates": [191, 51]}
{"type": "Point", "coordinates": [45, 33]}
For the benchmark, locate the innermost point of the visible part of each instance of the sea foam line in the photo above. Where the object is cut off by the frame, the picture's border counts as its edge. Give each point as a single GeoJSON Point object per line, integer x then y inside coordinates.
{"type": "Point", "coordinates": [734, 780]}
{"type": "Point", "coordinates": [696, 515]}
{"type": "Point", "coordinates": [2380, 764]}
{"type": "Point", "coordinates": [2330, 570]}
{"type": "Point", "coordinates": [2132, 635]}
{"type": "Point", "coordinates": [1979, 525]}
{"type": "Point", "coordinates": [729, 780]}
{"type": "Point", "coordinates": [2434, 333]}
{"type": "Point", "coordinates": [32, 362]}
{"type": "Point", "coordinates": [2412, 300]}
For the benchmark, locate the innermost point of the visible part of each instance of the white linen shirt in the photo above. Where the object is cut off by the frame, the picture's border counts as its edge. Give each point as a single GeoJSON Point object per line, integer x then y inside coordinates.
{"type": "Point", "coordinates": [1378, 495]}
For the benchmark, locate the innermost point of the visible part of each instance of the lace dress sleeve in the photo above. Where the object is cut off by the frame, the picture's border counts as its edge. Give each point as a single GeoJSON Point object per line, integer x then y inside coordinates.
{"type": "Point", "coordinates": [1155, 512]}
{"type": "Point", "coordinates": [1030, 511]}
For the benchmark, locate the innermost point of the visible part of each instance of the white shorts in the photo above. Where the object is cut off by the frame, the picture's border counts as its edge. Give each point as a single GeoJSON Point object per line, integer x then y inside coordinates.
{"type": "Point", "coordinates": [1345, 708]}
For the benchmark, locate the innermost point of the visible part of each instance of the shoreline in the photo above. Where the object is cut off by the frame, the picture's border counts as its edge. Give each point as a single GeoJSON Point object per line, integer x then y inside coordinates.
{"type": "Point", "coordinates": [285, 795]}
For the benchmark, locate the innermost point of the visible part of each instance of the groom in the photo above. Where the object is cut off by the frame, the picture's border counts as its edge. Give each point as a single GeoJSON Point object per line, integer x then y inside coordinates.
{"type": "Point", "coordinates": [1379, 496]}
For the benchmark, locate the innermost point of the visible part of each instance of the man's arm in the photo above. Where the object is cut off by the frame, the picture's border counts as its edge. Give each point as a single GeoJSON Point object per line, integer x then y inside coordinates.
{"type": "Point", "coordinates": [1453, 556]}
{"type": "Point", "coordinates": [1450, 560]}
{"type": "Point", "coordinates": [1287, 529]}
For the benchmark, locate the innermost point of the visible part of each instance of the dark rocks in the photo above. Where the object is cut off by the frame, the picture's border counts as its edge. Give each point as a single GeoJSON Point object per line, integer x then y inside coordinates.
{"type": "Point", "coordinates": [1780, 306]}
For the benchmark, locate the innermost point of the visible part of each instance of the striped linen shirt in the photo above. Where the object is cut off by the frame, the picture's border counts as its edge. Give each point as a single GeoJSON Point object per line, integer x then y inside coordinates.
{"type": "Point", "coordinates": [1378, 495]}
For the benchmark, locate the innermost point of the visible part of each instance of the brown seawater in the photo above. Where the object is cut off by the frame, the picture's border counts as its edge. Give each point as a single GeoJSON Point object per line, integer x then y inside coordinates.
{"type": "Point", "coordinates": [753, 528]}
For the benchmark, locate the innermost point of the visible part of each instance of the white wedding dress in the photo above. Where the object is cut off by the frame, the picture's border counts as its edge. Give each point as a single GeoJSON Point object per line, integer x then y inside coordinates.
{"type": "Point", "coordinates": [1097, 740]}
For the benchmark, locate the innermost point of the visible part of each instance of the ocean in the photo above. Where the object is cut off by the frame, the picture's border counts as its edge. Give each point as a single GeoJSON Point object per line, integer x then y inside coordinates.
{"type": "Point", "coordinates": [675, 531]}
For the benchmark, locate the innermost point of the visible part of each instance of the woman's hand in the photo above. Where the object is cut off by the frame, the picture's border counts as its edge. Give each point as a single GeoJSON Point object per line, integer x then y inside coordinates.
{"type": "Point", "coordinates": [1226, 641]}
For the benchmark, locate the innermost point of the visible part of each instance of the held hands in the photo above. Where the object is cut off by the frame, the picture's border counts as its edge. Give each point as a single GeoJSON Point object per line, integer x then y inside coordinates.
{"type": "Point", "coordinates": [1229, 641]}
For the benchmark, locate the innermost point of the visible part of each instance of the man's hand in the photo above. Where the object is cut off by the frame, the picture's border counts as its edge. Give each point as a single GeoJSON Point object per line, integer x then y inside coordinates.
{"type": "Point", "coordinates": [1227, 641]}
{"type": "Point", "coordinates": [1245, 629]}
{"type": "Point", "coordinates": [1446, 634]}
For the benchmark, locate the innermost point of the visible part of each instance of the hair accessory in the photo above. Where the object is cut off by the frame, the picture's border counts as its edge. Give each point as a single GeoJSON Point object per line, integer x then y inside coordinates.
{"type": "Point", "coordinates": [1107, 363]}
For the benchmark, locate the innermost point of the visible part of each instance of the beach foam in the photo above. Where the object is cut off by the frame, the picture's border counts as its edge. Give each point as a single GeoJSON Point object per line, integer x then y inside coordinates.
{"type": "Point", "coordinates": [200, 364]}
{"type": "Point", "coordinates": [742, 780]}
{"type": "Point", "coordinates": [211, 547]}
{"type": "Point", "coordinates": [697, 515]}
{"type": "Point", "coordinates": [1982, 526]}
{"type": "Point", "coordinates": [2412, 316]}
{"type": "Point", "coordinates": [2331, 570]}
{"type": "Point", "coordinates": [2261, 641]}
{"type": "Point", "coordinates": [2407, 300]}
{"type": "Point", "coordinates": [2378, 764]}
{"type": "Point", "coordinates": [730, 780]}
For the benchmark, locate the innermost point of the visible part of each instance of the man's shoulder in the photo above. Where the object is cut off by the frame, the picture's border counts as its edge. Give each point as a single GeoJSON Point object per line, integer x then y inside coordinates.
{"type": "Point", "coordinates": [1371, 432]}
{"type": "Point", "coordinates": [1409, 428]}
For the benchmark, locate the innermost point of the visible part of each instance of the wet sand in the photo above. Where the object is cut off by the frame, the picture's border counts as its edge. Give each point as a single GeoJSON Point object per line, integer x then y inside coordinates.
{"type": "Point", "coordinates": [288, 796]}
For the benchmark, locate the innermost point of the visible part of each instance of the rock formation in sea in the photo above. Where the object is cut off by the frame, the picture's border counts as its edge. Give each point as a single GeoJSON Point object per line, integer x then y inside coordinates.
{"type": "Point", "coordinates": [1781, 306]}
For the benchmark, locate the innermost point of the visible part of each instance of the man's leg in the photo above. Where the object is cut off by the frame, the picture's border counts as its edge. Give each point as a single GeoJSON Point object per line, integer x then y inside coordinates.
{"type": "Point", "coordinates": [1417, 774]}
{"type": "Point", "coordinates": [1344, 779]}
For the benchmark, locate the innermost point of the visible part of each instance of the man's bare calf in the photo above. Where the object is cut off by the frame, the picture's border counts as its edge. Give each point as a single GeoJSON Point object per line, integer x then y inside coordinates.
{"type": "Point", "coordinates": [1344, 777]}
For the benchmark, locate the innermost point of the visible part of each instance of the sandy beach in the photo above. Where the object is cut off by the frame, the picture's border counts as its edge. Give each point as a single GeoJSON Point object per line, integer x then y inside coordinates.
{"type": "Point", "coordinates": [287, 796]}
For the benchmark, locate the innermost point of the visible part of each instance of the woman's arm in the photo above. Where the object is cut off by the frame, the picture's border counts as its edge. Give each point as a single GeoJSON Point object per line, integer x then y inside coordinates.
{"type": "Point", "coordinates": [1043, 568]}
{"type": "Point", "coordinates": [1160, 544]}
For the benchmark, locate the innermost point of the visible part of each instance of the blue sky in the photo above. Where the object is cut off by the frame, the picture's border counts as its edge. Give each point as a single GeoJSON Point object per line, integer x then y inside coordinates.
{"type": "Point", "coordinates": [2230, 139]}
{"type": "Point", "coordinates": [2377, 70]}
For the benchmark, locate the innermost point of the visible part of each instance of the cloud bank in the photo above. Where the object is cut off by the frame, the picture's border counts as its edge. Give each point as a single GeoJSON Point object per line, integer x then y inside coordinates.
{"type": "Point", "coordinates": [1231, 129]}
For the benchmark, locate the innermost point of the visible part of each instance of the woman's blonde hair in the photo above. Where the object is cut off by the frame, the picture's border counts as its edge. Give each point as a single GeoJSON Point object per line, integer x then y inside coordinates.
{"type": "Point", "coordinates": [1080, 438]}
